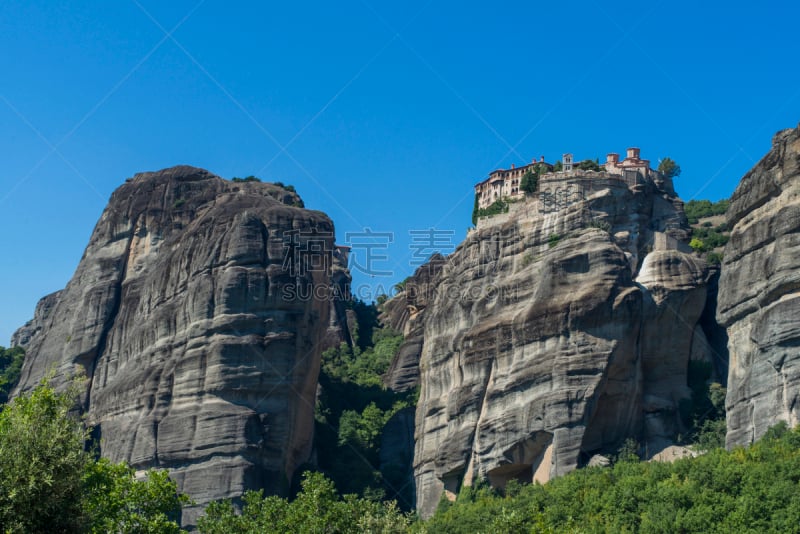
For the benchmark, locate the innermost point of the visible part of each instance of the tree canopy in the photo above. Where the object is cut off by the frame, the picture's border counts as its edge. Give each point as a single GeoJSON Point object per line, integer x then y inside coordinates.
{"type": "Point", "coordinates": [10, 367]}
{"type": "Point", "coordinates": [744, 490]}
{"type": "Point", "coordinates": [50, 483]}
{"type": "Point", "coordinates": [669, 168]}
{"type": "Point", "coordinates": [529, 182]}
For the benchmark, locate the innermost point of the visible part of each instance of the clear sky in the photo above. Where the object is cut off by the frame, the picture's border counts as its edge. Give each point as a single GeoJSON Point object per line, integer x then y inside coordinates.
{"type": "Point", "coordinates": [384, 115]}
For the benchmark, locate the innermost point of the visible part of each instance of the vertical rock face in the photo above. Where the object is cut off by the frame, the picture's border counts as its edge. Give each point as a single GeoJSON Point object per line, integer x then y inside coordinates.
{"type": "Point", "coordinates": [555, 332]}
{"type": "Point", "coordinates": [759, 294]}
{"type": "Point", "coordinates": [22, 337]}
{"type": "Point", "coordinates": [405, 313]}
{"type": "Point", "coordinates": [197, 315]}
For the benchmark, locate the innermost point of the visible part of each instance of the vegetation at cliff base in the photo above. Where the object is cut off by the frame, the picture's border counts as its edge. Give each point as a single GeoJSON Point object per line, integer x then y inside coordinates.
{"type": "Point", "coordinates": [704, 412]}
{"type": "Point", "coordinates": [316, 509]}
{"type": "Point", "coordinates": [756, 489]}
{"type": "Point", "coordinates": [354, 407]}
{"type": "Point", "coordinates": [50, 483]}
{"type": "Point", "coordinates": [10, 368]}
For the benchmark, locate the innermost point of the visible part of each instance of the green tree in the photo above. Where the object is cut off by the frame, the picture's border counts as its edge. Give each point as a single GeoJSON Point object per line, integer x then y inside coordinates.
{"type": "Point", "coordinates": [558, 166]}
{"type": "Point", "coordinates": [669, 168]}
{"type": "Point", "coordinates": [363, 430]}
{"type": "Point", "coordinates": [529, 182]}
{"type": "Point", "coordinates": [116, 502]}
{"type": "Point", "coordinates": [317, 509]}
{"type": "Point", "coordinates": [50, 483]}
{"type": "Point", "coordinates": [42, 462]}
{"type": "Point", "coordinates": [698, 245]}
{"type": "Point", "coordinates": [10, 367]}
{"type": "Point", "coordinates": [629, 451]}
{"type": "Point", "coordinates": [589, 165]}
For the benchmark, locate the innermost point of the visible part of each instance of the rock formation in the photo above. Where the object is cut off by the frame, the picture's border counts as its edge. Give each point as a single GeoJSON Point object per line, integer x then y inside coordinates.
{"type": "Point", "coordinates": [197, 314]}
{"type": "Point", "coordinates": [759, 296]}
{"type": "Point", "coordinates": [556, 331]}
{"type": "Point", "coordinates": [22, 337]}
{"type": "Point", "coordinates": [405, 313]}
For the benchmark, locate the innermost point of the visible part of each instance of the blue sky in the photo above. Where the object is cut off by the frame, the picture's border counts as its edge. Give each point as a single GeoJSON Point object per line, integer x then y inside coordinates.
{"type": "Point", "coordinates": [383, 116]}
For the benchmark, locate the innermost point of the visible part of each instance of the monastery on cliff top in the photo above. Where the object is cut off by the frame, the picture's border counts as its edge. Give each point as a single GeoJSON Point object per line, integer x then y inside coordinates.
{"type": "Point", "coordinates": [505, 183]}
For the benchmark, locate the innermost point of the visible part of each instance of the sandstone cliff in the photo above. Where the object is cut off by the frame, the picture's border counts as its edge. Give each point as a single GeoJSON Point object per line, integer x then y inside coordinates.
{"type": "Point", "coordinates": [556, 331]}
{"type": "Point", "coordinates": [405, 314]}
{"type": "Point", "coordinates": [193, 316]}
{"type": "Point", "coordinates": [759, 295]}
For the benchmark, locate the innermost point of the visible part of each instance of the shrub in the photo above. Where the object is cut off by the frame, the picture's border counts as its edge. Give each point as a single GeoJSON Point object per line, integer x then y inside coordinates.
{"type": "Point", "coordinates": [589, 165]}
{"type": "Point", "coordinates": [697, 245]}
{"type": "Point", "coordinates": [527, 259]}
{"type": "Point", "coordinates": [498, 206]}
{"type": "Point", "coordinates": [10, 368]}
{"type": "Point", "coordinates": [698, 209]}
{"type": "Point", "coordinates": [529, 182]}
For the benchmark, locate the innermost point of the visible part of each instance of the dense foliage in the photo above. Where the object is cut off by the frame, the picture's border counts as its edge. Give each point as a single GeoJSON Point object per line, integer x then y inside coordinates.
{"type": "Point", "coordinates": [698, 209]}
{"type": "Point", "coordinates": [704, 412]}
{"type": "Point", "coordinates": [590, 165]}
{"type": "Point", "coordinates": [50, 483]}
{"type": "Point", "coordinates": [316, 509]}
{"type": "Point", "coordinates": [10, 367]}
{"type": "Point", "coordinates": [353, 409]}
{"type": "Point", "coordinates": [250, 178]}
{"type": "Point", "coordinates": [706, 238]}
{"type": "Point", "coordinates": [498, 206]}
{"type": "Point", "coordinates": [529, 182]}
{"type": "Point", "coordinates": [744, 490]}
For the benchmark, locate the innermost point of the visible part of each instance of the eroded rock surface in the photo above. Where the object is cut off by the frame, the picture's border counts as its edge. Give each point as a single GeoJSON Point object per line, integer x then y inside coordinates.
{"type": "Point", "coordinates": [194, 317]}
{"type": "Point", "coordinates": [554, 333]}
{"type": "Point", "coordinates": [759, 294]}
{"type": "Point", "coordinates": [405, 313]}
{"type": "Point", "coordinates": [22, 337]}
